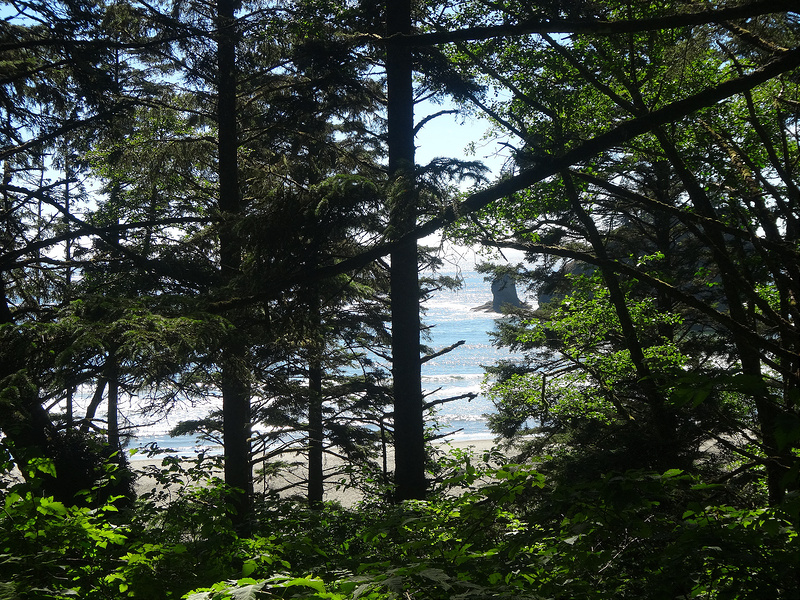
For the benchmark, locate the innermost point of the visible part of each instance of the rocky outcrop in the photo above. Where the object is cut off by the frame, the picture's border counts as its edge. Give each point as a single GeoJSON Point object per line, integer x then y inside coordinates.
{"type": "Point", "coordinates": [504, 296]}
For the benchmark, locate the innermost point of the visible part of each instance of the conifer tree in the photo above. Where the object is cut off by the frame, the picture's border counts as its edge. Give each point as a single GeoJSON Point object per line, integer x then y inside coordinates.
{"type": "Point", "coordinates": [58, 95]}
{"type": "Point", "coordinates": [405, 290]}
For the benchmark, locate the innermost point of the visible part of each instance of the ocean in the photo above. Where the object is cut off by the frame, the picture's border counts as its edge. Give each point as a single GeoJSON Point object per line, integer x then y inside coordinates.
{"type": "Point", "coordinates": [461, 370]}
{"type": "Point", "coordinates": [451, 318]}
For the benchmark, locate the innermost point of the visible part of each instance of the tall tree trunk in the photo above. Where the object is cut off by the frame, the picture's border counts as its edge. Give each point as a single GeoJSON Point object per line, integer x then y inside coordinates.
{"type": "Point", "coordinates": [234, 385]}
{"type": "Point", "coordinates": [5, 311]}
{"type": "Point", "coordinates": [404, 285]}
{"type": "Point", "coordinates": [94, 404]}
{"type": "Point", "coordinates": [315, 431]}
{"type": "Point", "coordinates": [112, 375]}
{"type": "Point", "coordinates": [68, 275]}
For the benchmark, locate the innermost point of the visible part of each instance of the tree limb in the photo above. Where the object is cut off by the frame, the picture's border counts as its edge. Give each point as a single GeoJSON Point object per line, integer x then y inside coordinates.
{"type": "Point", "coordinates": [593, 26]}
{"type": "Point", "coordinates": [425, 359]}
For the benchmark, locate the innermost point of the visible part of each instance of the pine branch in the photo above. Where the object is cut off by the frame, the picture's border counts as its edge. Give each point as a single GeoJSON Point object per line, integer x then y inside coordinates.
{"type": "Point", "coordinates": [547, 167]}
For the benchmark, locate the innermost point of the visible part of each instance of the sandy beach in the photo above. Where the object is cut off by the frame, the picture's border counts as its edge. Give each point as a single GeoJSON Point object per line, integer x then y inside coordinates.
{"type": "Point", "coordinates": [289, 481]}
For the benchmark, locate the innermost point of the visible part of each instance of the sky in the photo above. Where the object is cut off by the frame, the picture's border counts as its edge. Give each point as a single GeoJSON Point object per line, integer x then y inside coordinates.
{"type": "Point", "coordinates": [449, 136]}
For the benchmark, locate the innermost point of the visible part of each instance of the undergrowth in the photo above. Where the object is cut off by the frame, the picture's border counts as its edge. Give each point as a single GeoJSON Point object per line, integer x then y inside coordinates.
{"type": "Point", "coordinates": [490, 530]}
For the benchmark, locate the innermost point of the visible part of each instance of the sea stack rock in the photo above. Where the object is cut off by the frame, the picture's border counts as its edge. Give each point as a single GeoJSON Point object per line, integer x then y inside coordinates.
{"type": "Point", "coordinates": [504, 295]}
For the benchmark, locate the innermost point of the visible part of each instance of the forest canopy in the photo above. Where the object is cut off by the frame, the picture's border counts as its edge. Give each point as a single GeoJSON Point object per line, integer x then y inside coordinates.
{"type": "Point", "coordinates": [222, 199]}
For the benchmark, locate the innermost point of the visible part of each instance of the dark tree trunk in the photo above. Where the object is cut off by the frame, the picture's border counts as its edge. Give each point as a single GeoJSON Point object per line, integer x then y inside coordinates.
{"type": "Point", "coordinates": [112, 375]}
{"type": "Point", "coordinates": [5, 311]}
{"type": "Point", "coordinates": [94, 404]}
{"type": "Point", "coordinates": [234, 385]}
{"type": "Point", "coordinates": [408, 412]}
{"type": "Point", "coordinates": [315, 431]}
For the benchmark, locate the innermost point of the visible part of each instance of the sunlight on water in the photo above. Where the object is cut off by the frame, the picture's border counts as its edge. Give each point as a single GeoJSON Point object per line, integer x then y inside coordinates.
{"type": "Point", "coordinates": [461, 371]}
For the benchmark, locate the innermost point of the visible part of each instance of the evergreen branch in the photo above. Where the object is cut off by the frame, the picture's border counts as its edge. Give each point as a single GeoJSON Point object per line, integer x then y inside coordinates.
{"type": "Point", "coordinates": [429, 118]}
{"type": "Point", "coordinates": [753, 39]}
{"type": "Point", "coordinates": [8, 260]}
{"type": "Point", "coordinates": [34, 71]}
{"type": "Point", "coordinates": [147, 265]}
{"type": "Point", "coordinates": [432, 403]}
{"type": "Point", "coordinates": [95, 43]}
{"type": "Point", "coordinates": [67, 127]}
{"type": "Point", "coordinates": [488, 69]}
{"type": "Point", "coordinates": [622, 133]}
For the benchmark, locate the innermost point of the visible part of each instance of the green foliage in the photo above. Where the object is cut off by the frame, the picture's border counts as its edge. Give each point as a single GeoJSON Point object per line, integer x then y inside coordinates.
{"type": "Point", "coordinates": [510, 532]}
{"type": "Point", "coordinates": [490, 529]}
{"type": "Point", "coordinates": [593, 379]}
{"type": "Point", "coordinates": [658, 395]}
{"type": "Point", "coordinates": [51, 550]}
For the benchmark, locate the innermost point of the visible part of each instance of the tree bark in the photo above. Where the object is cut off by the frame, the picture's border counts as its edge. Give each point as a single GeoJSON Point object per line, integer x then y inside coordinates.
{"type": "Point", "coordinates": [112, 375]}
{"type": "Point", "coordinates": [315, 431]}
{"type": "Point", "coordinates": [404, 286]}
{"type": "Point", "coordinates": [234, 385]}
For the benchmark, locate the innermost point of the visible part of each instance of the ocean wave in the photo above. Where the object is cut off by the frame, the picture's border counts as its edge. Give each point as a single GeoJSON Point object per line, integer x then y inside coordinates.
{"type": "Point", "coordinates": [460, 417]}
{"type": "Point", "coordinates": [451, 377]}
{"type": "Point", "coordinates": [461, 436]}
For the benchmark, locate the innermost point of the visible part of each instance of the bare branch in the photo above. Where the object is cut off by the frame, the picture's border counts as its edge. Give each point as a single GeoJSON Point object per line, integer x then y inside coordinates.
{"type": "Point", "coordinates": [595, 26]}
{"type": "Point", "coordinates": [443, 351]}
{"type": "Point", "coordinates": [432, 403]}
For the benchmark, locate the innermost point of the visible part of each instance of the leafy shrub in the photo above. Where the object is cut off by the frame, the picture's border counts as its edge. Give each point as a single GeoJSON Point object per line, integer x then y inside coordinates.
{"type": "Point", "coordinates": [50, 550]}
{"type": "Point", "coordinates": [490, 530]}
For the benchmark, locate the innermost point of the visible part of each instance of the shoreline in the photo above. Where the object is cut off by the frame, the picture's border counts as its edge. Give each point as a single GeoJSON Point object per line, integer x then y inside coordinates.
{"type": "Point", "coordinates": [289, 481]}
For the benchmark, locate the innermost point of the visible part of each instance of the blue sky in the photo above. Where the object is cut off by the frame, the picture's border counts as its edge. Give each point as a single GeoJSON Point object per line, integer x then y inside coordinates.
{"type": "Point", "coordinates": [449, 135]}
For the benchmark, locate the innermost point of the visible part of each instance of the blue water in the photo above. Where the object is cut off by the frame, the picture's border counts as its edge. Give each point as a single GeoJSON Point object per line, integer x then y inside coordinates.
{"type": "Point", "coordinates": [459, 372]}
